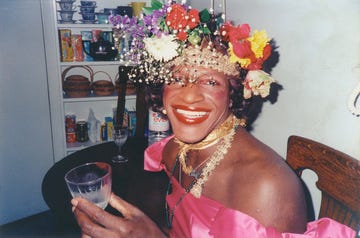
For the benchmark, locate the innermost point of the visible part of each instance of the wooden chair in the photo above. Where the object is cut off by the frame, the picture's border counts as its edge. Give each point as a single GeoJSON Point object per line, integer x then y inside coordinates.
{"type": "Point", "coordinates": [338, 178]}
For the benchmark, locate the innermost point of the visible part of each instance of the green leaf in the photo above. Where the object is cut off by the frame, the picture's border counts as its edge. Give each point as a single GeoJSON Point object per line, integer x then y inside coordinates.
{"type": "Point", "coordinates": [147, 10]}
{"type": "Point", "coordinates": [156, 5]}
{"type": "Point", "coordinates": [206, 31]}
{"type": "Point", "coordinates": [205, 15]}
{"type": "Point", "coordinates": [194, 37]}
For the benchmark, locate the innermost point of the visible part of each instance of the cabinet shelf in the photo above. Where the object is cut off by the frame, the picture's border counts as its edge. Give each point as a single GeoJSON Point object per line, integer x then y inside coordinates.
{"type": "Point", "coordinates": [96, 98]}
{"type": "Point", "coordinates": [92, 63]}
{"type": "Point", "coordinates": [84, 26]}
{"type": "Point", "coordinates": [96, 63]}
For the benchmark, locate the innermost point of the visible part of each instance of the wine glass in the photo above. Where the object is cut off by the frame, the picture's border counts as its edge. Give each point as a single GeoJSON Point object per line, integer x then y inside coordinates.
{"type": "Point", "coordinates": [119, 135]}
{"type": "Point", "coordinates": [91, 181]}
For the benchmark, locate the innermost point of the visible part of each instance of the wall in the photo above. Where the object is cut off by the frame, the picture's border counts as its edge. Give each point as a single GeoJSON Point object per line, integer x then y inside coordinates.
{"type": "Point", "coordinates": [319, 46]}
{"type": "Point", "coordinates": [25, 135]}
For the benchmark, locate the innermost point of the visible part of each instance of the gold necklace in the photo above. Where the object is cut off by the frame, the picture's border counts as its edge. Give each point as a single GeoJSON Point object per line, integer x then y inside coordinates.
{"type": "Point", "coordinates": [225, 133]}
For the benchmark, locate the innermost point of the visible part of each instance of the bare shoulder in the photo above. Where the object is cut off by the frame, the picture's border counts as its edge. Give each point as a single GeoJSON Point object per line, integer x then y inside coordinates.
{"type": "Point", "coordinates": [264, 185]}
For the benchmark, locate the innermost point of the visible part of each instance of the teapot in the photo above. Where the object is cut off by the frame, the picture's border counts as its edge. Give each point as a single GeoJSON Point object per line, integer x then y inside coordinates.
{"type": "Point", "coordinates": [101, 50]}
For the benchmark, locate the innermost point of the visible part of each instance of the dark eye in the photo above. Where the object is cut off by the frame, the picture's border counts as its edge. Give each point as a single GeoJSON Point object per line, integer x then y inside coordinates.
{"type": "Point", "coordinates": [177, 81]}
{"type": "Point", "coordinates": [212, 82]}
{"type": "Point", "coordinates": [208, 81]}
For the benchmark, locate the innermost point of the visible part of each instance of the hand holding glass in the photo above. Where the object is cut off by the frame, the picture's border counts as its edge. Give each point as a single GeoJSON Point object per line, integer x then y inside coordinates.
{"type": "Point", "coordinates": [91, 181]}
{"type": "Point", "coordinates": [119, 135]}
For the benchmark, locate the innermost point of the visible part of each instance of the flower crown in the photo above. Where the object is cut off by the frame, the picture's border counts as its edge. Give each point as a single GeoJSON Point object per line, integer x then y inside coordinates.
{"type": "Point", "coordinates": [171, 34]}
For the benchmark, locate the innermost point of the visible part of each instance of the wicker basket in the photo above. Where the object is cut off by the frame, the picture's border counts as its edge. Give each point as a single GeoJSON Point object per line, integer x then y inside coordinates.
{"type": "Point", "coordinates": [77, 86]}
{"type": "Point", "coordinates": [130, 86]}
{"type": "Point", "coordinates": [103, 87]}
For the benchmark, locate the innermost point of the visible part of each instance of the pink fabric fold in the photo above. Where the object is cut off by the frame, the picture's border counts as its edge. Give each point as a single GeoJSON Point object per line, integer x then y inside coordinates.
{"type": "Point", "coordinates": [204, 217]}
{"type": "Point", "coordinates": [153, 155]}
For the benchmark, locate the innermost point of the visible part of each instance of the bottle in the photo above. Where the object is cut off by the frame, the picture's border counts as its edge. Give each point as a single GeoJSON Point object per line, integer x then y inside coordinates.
{"type": "Point", "coordinates": [93, 127]}
{"type": "Point", "coordinates": [159, 127]}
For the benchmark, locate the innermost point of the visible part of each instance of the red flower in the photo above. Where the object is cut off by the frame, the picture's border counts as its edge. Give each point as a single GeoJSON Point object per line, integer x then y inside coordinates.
{"type": "Point", "coordinates": [240, 32]}
{"type": "Point", "coordinates": [182, 35]}
{"type": "Point", "coordinates": [193, 19]}
{"type": "Point", "coordinates": [225, 30]}
{"type": "Point", "coordinates": [256, 63]}
{"type": "Point", "coordinates": [176, 17]}
{"type": "Point", "coordinates": [242, 49]}
{"type": "Point", "coordinates": [267, 52]}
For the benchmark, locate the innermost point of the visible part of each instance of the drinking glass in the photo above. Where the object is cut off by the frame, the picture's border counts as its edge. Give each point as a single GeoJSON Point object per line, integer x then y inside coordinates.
{"type": "Point", "coordinates": [119, 135]}
{"type": "Point", "coordinates": [91, 181]}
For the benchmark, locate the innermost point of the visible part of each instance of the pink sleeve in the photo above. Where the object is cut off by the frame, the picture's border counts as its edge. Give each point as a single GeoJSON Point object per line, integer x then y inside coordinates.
{"type": "Point", "coordinates": [230, 223]}
{"type": "Point", "coordinates": [153, 155]}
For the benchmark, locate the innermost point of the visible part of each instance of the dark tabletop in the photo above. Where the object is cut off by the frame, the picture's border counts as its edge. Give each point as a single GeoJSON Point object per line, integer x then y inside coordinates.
{"type": "Point", "coordinates": [142, 188]}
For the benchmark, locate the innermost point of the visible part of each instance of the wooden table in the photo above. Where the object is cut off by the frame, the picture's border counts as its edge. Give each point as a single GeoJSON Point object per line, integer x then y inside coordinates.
{"type": "Point", "coordinates": [144, 189]}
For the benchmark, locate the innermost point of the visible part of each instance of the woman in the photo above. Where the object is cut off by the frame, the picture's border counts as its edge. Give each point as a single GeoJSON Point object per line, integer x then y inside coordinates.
{"type": "Point", "coordinates": [223, 181]}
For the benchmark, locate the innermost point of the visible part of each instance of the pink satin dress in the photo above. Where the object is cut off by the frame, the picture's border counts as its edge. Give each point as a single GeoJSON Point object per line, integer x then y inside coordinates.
{"type": "Point", "coordinates": [204, 217]}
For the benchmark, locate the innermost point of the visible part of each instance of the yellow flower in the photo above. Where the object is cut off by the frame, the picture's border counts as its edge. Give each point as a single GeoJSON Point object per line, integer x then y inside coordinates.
{"type": "Point", "coordinates": [258, 42]}
{"type": "Point", "coordinates": [244, 62]}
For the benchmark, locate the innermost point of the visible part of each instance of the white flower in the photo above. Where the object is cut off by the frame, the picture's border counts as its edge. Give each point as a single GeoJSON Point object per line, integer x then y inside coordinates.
{"type": "Point", "coordinates": [257, 82]}
{"type": "Point", "coordinates": [163, 48]}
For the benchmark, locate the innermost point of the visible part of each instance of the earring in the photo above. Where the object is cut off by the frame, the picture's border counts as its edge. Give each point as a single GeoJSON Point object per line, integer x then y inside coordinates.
{"type": "Point", "coordinates": [164, 111]}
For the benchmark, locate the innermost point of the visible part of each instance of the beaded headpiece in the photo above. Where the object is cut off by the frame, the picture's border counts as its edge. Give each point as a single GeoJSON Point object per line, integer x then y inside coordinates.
{"type": "Point", "coordinates": [169, 34]}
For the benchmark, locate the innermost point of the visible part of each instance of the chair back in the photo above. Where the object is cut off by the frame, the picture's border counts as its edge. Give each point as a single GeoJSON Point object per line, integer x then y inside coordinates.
{"type": "Point", "coordinates": [338, 178]}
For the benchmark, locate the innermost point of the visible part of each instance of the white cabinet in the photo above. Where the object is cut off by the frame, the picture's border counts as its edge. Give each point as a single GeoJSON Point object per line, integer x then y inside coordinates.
{"type": "Point", "coordinates": [60, 103]}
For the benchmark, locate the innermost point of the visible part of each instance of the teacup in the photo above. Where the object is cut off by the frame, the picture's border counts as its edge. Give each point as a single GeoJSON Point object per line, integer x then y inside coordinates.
{"type": "Point", "coordinates": [87, 9]}
{"type": "Point", "coordinates": [66, 5]}
{"type": "Point", "coordinates": [66, 15]}
{"type": "Point", "coordinates": [88, 3]}
{"type": "Point", "coordinates": [103, 18]}
{"type": "Point", "coordinates": [88, 16]}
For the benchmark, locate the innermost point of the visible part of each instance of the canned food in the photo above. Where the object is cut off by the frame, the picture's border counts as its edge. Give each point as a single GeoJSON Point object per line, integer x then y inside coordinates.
{"type": "Point", "coordinates": [82, 131]}
{"type": "Point", "coordinates": [70, 137]}
{"type": "Point", "coordinates": [70, 123]}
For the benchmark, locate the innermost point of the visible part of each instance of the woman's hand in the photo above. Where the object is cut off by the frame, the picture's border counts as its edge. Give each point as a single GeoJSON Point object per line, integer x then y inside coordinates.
{"type": "Point", "coordinates": [97, 223]}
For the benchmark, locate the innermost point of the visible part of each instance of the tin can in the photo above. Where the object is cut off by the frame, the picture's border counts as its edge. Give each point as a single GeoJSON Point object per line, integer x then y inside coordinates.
{"type": "Point", "coordinates": [82, 131]}
{"type": "Point", "coordinates": [70, 123]}
{"type": "Point", "coordinates": [70, 137]}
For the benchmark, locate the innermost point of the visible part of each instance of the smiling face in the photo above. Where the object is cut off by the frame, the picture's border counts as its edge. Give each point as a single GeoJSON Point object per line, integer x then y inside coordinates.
{"type": "Point", "coordinates": [197, 102]}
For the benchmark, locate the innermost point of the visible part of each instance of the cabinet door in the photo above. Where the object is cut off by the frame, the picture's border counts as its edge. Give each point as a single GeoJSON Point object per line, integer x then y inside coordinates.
{"type": "Point", "coordinates": [25, 142]}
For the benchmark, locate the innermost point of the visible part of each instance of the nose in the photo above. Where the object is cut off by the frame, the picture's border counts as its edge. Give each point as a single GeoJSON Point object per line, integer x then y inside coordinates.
{"type": "Point", "coordinates": [190, 93]}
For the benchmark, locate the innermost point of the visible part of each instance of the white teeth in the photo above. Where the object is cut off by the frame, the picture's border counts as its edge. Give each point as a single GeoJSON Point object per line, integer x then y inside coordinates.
{"type": "Point", "coordinates": [192, 114]}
